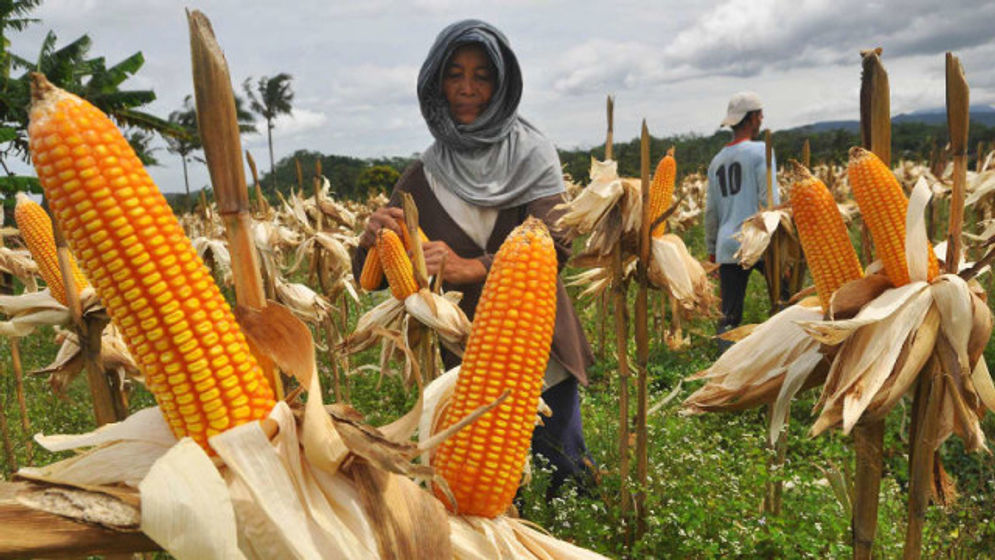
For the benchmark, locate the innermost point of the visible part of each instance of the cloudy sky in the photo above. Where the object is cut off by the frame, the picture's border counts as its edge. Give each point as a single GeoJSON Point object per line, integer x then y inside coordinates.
{"type": "Point", "coordinates": [354, 64]}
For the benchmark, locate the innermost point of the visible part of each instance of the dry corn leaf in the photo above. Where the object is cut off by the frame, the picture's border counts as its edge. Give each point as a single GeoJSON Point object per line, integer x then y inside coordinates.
{"type": "Point", "coordinates": [68, 362]}
{"type": "Point", "coordinates": [386, 315]}
{"type": "Point", "coordinates": [408, 521]}
{"type": "Point", "coordinates": [982, 380]}
{"type": "Point", "coordinates": [304, 302]}
{"type": "Point", "coordinates": [30, 310]}
{"type": "Point", "coordinates": [276, 332]}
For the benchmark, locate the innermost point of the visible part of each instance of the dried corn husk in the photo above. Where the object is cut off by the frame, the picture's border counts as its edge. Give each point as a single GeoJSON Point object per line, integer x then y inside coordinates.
{"type": "Point", "coordinates": [215, 251]}
{"type": "Point", "coordinates": [769, 365]}
{"type": "Point", "coordinates": [114, 357]}
{"type": "Point", "coordinates": [305, 303]}
{"type": "Point", "coordinates": [30, 310]}
{"type": "Point", "coordinates": [672, 268]}
{"type": "Point", "coordinates": [270, 500]}
{"type": "Point", "coordinates": [587, 209]}
{"type": "Point", "coordinates": [755, 234]}
{"type": "Point", "coordinates": [19, 264]}
{"type": "Point", "coordinates": [442, 314]}
{"type": "Point", "coordinates": [942, 325]}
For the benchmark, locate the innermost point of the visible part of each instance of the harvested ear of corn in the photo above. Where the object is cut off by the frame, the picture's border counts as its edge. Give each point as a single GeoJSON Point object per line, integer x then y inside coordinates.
{"type": "Point", "coordinates": [823, 236]}
{"type": "Point", "coordinates": [662, 190]}
{"type": "Point", "coordinates": [883, 206]}
{"type": "Point", "coordinates": [396, 264]}
{"type": "Point", "coordinates": [372, 275]}
{"type": "Point", "coordinates": [157, 291]}
{"type": "Point", "coordinates": [36, 230]}
{"type": "Point", "coordinates": [507, 351]}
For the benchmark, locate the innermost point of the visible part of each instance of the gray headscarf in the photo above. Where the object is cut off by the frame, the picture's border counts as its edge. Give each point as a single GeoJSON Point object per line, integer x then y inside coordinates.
{"type": "Point", "coordinates": [499, 160]}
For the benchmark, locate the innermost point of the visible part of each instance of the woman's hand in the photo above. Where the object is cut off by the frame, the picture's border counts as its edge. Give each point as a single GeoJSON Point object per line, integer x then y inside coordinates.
{"type": "Point", "coordinates": [458, 270]}
{"type": "Point", "coordinates": [383, 217]}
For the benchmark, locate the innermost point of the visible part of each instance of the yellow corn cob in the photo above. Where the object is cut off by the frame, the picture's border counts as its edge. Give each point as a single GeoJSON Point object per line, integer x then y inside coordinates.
{"type": "Point", "coordinates": [828, 251]}
{"type": "Point", "coordinates": [36, 230]}
{"type": "Point", "coordinates": [194, 357]}
{"type": "Point", "coordinates": [662, 190]}
{"type": "Point", "coordinates": [396, 264]}
{"type": "Point", "coordinates": [508, 350]}
{"type": "Point", "coordinates": [883, 205]}
{"type": "Point", "coordinates": [372, 275]}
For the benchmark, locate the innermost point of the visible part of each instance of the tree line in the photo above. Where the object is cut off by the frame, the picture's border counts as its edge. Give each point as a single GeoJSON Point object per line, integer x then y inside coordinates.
{"type": "Point", "coordinates": [358, 179]}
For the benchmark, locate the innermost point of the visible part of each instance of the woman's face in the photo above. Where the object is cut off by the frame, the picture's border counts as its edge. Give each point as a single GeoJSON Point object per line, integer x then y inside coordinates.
{"type": "Point", "coordinates": [468, 83]}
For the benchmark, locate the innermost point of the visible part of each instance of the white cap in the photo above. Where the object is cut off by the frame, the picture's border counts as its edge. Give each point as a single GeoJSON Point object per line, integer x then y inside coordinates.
{"type": "Point", "coordinates": [739, 105]}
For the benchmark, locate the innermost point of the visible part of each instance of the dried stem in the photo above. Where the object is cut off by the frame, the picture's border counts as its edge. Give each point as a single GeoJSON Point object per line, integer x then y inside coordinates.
{"type": "Point", "coordinates": [108, 400]}
{"type": "Point", "coordinates": [958, 120]}
{"type": "Point", "coordinates": [222, 144]}
{"type": "Point", "coordinates": [642, 338]}
{"type": "Point", "coordinates": [8, 446]}
{"type": "Point", "coordinates": [622, 354]}
{"type": "Point", "coordinates": [875, 126]}
{"type": "Point", "coordinates": [923, 442]}
{"type": "Point", "coordinates": [868, 440]}
{"type": "Point", "coordinates": [22, 405]}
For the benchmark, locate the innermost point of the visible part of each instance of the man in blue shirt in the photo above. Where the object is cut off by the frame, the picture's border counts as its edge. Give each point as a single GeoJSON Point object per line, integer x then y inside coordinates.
{"type": "Point", "coordinates": [737, 189]}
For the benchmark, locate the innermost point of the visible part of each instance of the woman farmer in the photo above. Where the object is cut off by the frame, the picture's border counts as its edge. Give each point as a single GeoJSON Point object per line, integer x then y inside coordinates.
{"type": "Point", "coordinates": [487, 171]}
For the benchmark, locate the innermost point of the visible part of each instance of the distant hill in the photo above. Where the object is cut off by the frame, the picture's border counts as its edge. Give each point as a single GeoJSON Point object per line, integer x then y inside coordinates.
{"type": "Point", "coordinates": [980, 114]}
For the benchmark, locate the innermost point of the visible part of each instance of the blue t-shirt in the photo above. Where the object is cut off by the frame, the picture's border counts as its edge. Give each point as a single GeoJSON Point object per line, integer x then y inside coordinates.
{"type": "Point", "coordinates": [737, 189]}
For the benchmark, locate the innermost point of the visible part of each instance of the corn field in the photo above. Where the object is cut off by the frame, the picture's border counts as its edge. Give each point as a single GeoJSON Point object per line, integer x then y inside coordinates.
{"type": "Point", "coordinates": [256, 399]}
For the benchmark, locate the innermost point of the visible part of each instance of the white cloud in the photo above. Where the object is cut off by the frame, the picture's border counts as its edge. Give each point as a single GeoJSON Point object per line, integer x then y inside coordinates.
{"type": "Point", "coordinates": [354, 64]}
{"type": "Point", "coordinates": [298, 122]}
{"type": "Point", "coordinates": [368, 83]}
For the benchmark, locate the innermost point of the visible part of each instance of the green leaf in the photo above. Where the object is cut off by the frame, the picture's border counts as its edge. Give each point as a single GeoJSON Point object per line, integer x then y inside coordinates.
{"type": "Point", "coordinates": [7, 134]}
{"type": "Point", "coordinates": [12, 184]}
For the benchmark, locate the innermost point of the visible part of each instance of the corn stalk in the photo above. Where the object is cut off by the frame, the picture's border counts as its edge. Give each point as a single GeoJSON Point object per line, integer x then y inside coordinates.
{"type": "Point", "coordinates": [15, 360]}
{"type": "Point", "coordinates": [8, 446]}
{"type": "Point", "coordinates": [772, 272]}
{"type": "Point", "coordinates": [109, 404]}
{"type": "Point", "coordinates": [875, 126]}
{"type": "Point", "coordinates": [925, 440]}
{"type": "Point", "coordinates": [621, 347]}
{"type": "Point", "coordinates": [223, 151]}
{"type": "Point", "coordinates": [642, 337]}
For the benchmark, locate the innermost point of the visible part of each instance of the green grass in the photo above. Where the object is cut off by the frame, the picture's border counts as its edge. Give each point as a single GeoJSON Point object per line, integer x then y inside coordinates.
{"type": "Point", "coordinates": [707, 473]}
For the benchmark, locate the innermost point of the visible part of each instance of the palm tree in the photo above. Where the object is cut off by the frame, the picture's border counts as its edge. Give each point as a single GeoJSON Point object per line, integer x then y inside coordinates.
{"type": "Point", "coordinates": [274, 97]}
{"type": "Point", "coordinates": [183, 145]}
